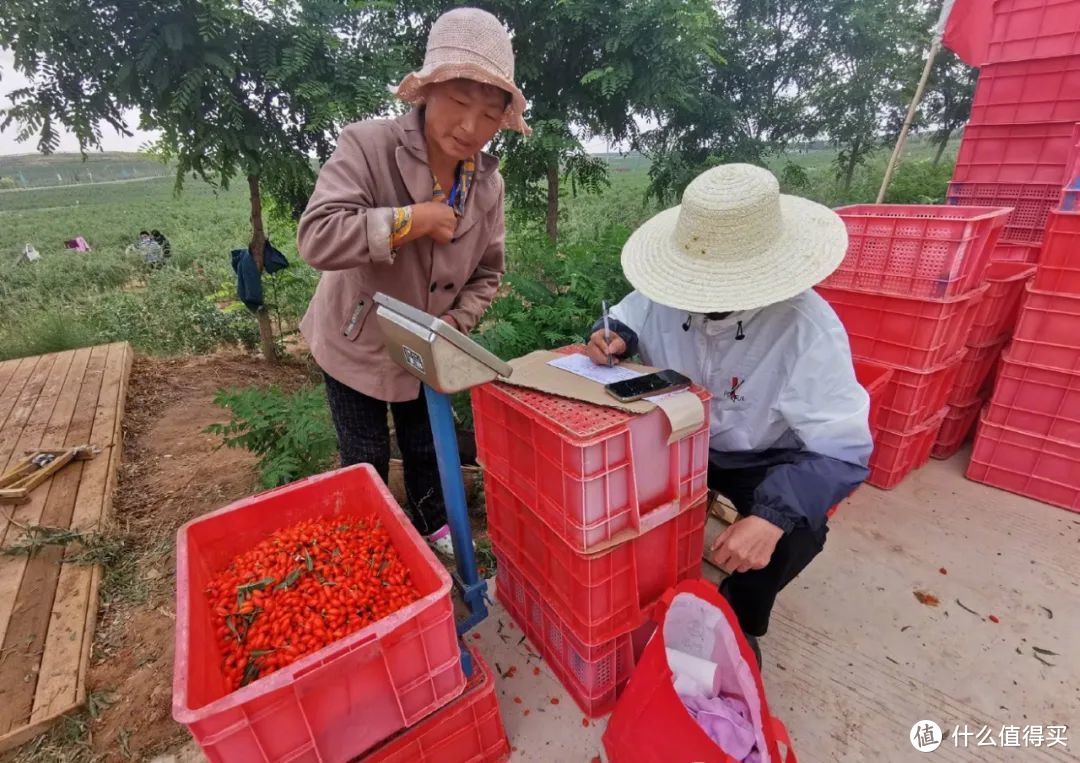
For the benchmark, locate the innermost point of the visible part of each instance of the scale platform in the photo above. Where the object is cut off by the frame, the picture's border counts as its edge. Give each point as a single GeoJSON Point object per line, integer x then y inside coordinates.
{"type": "Point", "coordinates": [433, 351]}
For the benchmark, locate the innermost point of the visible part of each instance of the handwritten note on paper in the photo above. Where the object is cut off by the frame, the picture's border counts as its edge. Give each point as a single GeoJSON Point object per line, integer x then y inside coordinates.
{"type": "Point", "coordinates": [580, 365]}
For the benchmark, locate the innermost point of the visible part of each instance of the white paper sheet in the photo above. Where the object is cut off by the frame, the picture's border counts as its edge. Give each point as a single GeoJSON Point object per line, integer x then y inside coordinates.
{"type": "Point", "coordinates": [580, 365]}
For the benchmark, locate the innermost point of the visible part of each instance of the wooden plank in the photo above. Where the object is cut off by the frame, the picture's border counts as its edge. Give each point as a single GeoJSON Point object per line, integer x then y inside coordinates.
{"type": "Point", "coordinates": [24, 640]}
{"type": "Point", "coordinates": [37, 420]}
{"type": "Point", "coordinates": [21, 406]}
{"type": "Point", "coordinates": [14, 389]}
{"type": "Point", "coordinates": [7, 370]}
{"type": "Point", "coordinates": [66, 656]}
{"type": "Point", "coordinates": [38, 407]}
{"type": "Point", "coordinates": [61, 406]}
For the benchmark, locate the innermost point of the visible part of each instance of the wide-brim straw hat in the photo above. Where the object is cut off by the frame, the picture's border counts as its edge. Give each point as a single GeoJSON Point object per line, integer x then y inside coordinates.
{"type": "Point", "coordinates": [735, 243]}
{"type": "Point", "coordinates": [468, 43]}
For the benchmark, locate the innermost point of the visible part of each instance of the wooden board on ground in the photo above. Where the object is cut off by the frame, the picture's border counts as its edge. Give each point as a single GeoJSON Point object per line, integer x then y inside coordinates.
{"type": "Point", "coordinates": [48, 600]}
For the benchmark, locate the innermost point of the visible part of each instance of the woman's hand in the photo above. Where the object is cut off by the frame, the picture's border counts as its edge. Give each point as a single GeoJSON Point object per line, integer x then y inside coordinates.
{"type": "Point", "coordinates": [600, 349]}
{"type": "Point", "coordinates": [748, 544]}
{"type": "Point", "coordinates": [434, 220]}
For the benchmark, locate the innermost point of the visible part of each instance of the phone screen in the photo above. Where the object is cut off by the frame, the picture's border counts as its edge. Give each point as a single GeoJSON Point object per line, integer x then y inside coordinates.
{"type": "Point", "coordinates": [650, 384]}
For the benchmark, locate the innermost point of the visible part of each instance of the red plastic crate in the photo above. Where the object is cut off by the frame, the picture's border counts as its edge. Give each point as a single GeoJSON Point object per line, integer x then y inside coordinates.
{"type": "Point", "coordinates": [974, 370]}
{"type": "Point", "coordinates": [1024, 29]}
{"type": "Point", "coordinates": [468, 730]}
{"type": "Point", "coordinates": [1048, 331]}
{"type": "Point", "coordinates": [606, 593]}
{"type": "Point", "coordinates": [1005, 252]}
{"type": "Point", "coordinates": [955, 428]}
{"type": "Point", "coordinates": [593, 675]}
{"type": "Point", "coordinates": [1070, 194]}
{"type": "Point", "coordinates": [340, 701]}
{"type": "Point", "coordinates": [1030, 202]}
{"type": "Point", "coordinates": [592, 473]}
{"type": "Point", "coordinates": [1043, 401]}
{"type": "Point", "coordinates": [912, 396]}
{"type": "Point", "coordinates": [916, 250]}
{"type": "Point", "coordinates": [897, 454]}
{"type": "Point", "coordinates": [1028, 464]}
{"type": "Point", "coordinates": [904, 331]}
{"type": "Point", "coordinates": [875, 380]}
{"type": "Point", "coordinates": [1014, 153]}
{"type": "Point", "coordinates": [1033, 90]}
{"type": "Point", "coordinates": [1059, 266]}
{"type": "Point", "coordinates": [995, 316]}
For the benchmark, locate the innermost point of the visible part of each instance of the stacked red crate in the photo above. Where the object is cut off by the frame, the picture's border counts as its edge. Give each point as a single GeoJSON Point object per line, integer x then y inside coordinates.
{"type": "Point", "coordinates": [1016, 147]}
{"type": "Point", "coordinates": [468, 730]}
{"type": "Point", "coordinates": [592, 516]}
{"type": "Point", "coordinates": [908, 292]}
{"type": "Point", "coordinates": [994, 320]}
{"type": "Point", "coordinates": [1029, 438]}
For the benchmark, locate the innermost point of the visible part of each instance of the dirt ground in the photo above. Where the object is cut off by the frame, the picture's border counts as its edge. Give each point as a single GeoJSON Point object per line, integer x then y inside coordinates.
{"type": "Point", "coordinates": [171, 472]}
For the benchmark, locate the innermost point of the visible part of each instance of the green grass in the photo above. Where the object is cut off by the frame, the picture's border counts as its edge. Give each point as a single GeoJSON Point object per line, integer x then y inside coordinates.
{"type": "Point", "coordinates": [71, 299]}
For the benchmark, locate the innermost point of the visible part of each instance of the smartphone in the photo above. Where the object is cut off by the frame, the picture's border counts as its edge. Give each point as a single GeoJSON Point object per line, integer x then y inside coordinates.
{"type": "Point", "coordinates": [659, 383]}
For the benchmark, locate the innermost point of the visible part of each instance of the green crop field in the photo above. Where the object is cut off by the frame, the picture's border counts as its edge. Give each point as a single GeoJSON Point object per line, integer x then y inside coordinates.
{"type": "Point", "coordinates": [69, 299]}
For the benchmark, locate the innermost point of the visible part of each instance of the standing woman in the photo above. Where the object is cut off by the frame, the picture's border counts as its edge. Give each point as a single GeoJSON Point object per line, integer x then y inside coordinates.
{"type": "Point", "coordinates": [411, 207]}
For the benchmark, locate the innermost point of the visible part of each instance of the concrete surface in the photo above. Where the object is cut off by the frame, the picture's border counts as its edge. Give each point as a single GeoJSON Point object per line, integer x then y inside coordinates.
{"type": "Point", "coordinates": [853, 659]}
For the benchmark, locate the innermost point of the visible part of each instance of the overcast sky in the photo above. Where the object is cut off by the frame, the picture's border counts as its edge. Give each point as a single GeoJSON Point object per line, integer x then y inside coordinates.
{"type": "Point", "coordinates": [111, 141]}
{"type": "Point", "coordinates": [12, 80]}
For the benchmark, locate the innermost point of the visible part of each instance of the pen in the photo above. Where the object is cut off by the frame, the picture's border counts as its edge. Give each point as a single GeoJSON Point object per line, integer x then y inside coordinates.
{"type": "Point", "coordinates": [607, 332]}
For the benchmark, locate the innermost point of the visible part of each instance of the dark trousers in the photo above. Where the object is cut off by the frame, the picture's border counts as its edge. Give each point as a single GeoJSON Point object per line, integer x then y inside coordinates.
{"type": "Point", "coordinates": [753, 593]}
{"type": "Point", "coordinates": [364, 438]}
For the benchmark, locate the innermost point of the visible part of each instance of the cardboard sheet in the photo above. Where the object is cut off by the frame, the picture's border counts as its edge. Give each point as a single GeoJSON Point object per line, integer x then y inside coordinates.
{"type": "Point", "coordinates": [684, 410]}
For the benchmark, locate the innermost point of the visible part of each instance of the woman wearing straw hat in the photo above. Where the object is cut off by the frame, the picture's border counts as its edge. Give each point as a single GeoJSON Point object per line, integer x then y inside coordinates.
{"type": "Point", "coordinates": [723, 295]}
{"type": "Point", "coordinates": [411, 207]}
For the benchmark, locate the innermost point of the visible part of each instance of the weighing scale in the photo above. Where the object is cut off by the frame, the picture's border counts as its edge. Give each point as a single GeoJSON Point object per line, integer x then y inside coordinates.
{"type": "Point", "coordinates": [446, 361]}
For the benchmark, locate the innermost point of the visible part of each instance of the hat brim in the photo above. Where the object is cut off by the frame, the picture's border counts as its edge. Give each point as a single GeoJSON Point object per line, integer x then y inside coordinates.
{"type": "Point", "coordinates": [810, 246]}
{"type": "Point", "coordinates": [411, 89]}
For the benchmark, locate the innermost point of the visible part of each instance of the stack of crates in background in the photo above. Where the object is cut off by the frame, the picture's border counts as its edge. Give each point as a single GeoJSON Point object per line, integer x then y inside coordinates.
{"type": "Point", "coordinates": [1029, 438]}
{"type": "Point", "coordinates": [908, 292]}
{"type": "Point", "coordinates": [995, 318]}
{"type": "Point", "coordinates": [592, 516]}
{"type": "Point", "coordinates": [1026, 104]}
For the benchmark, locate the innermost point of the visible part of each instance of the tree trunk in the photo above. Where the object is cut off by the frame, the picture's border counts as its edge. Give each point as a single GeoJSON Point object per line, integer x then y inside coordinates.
{"type": "Point", "coordinates": [853, 162]}
{"type": "Point", "coordinates": [941, 150]}
{"type": "Point", "coordinates": [553, 199]}
{"type": "Point", "coordinates": [257, 247]}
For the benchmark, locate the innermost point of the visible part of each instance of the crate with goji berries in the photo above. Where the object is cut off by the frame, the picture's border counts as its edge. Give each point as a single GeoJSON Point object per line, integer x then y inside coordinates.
{"type": "Point", "coordinates": [312, 621]}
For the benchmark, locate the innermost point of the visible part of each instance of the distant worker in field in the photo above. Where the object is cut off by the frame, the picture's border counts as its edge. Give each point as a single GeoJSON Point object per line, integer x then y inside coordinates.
{"type": "Point", "coordinates": [411, 207]}
{"type": "Point", "coordinates": [723, 296]}
{"type": "Point", "coordinates": [166, 247]}
{"type": "Point", "coordinates": [149, 249]}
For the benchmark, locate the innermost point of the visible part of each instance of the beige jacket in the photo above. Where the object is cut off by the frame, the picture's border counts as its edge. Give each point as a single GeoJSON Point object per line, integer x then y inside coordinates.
{"type": "Point", "coordinates": [345, 232]}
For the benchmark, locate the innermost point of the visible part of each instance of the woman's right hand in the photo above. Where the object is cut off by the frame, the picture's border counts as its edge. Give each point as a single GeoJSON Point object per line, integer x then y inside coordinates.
{"type": "Point", "coordinates": [600, 349]}
{"type": "Point", "coordinates": [435, 220]}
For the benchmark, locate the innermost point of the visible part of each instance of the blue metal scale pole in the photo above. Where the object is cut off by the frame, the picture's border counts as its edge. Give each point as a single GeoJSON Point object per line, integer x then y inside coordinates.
{"type": "Point", "coordinates": [473, 588]}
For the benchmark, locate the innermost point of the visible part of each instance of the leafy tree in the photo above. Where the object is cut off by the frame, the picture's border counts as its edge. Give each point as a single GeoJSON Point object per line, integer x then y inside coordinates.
{"type": "Point", "coordinates": [946, 106]}
{"type": "Point", "coordinates": [868, 47]}
{"type": "Point", "coordinates": [750, 104]}
{"type": "Point", "coordinates": [236, 89]}
{"type": "Point", "coordinates": [597, 67]}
